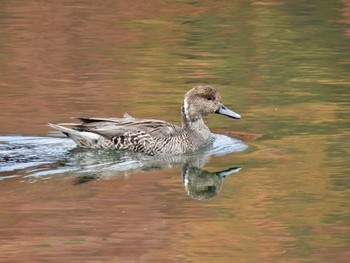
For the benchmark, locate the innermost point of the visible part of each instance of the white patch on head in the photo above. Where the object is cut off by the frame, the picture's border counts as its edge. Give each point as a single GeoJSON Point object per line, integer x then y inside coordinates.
{"type": "Point", "coordinates": [186, 109]}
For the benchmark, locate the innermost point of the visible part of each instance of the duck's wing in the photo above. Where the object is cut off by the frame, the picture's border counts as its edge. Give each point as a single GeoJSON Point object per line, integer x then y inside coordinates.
{"type": "Point", "coordinates": [128, 126]}
{"type": "Point", "coordinates": [140, 135]}
{"type": "Point", "coordinates": [89, 120]}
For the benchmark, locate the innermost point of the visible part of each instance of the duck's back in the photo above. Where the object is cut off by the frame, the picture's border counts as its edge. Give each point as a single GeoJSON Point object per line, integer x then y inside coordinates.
{"type": "Point", "coordinates": [149, 136]}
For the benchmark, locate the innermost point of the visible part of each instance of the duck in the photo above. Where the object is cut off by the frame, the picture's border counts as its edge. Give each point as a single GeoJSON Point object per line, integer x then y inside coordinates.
{"type": "Point", "coordinates": [151, 136]}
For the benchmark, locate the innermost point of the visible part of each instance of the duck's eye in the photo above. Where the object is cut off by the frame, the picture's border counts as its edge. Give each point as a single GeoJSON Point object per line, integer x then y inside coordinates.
{"type": "Point", "coordinates": [209, 98]}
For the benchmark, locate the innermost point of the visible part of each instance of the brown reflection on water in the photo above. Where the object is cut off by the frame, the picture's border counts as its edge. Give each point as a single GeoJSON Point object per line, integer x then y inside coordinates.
{"type": "Point", "coordinates": [102, 220]}
{"type": "Point", "coordinates": [346, 16]}
{"type": "Point", "coordinates": [70, 59]}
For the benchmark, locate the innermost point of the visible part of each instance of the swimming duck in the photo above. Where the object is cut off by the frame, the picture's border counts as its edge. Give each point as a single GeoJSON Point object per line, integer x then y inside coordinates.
{"type": "Point", "coordinates": [150, 136]}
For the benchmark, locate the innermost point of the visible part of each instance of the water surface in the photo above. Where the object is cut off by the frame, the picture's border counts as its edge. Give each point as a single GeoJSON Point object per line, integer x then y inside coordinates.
{"type": "Point", "coordinates": [275, 187]}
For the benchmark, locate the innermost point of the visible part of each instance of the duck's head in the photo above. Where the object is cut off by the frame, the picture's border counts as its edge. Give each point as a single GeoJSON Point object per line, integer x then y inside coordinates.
{"type": "Point", "coordinates": [203, 100]}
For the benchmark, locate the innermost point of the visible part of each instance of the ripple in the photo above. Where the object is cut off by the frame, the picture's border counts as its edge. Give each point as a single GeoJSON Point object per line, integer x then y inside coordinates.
{"type": "Point", "coordinates": [31, 156]}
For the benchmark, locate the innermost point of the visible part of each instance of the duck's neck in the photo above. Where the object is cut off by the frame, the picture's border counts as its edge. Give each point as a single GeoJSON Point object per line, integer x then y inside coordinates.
{"type": "Point", "coordinates": [195, 126]}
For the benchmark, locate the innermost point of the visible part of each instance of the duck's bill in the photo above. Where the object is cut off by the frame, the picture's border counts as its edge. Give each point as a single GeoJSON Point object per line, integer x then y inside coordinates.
{"type": "Point", "coordinates": [225, 111]}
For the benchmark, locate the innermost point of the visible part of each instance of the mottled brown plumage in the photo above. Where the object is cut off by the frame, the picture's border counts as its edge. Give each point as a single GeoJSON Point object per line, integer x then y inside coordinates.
{"type": "Point", "coordinates": [150, 136]}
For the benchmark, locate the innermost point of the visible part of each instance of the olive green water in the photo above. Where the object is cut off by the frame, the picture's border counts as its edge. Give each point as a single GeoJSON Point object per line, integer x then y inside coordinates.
{"type": "Point", "coordinates": [283, 65]}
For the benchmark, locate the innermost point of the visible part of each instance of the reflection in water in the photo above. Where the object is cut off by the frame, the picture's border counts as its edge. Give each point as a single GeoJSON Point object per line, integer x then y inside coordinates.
{"type": "Point", "coordinates": [201, 184]}
{"type": "Point", "coordinates": [40, 157]}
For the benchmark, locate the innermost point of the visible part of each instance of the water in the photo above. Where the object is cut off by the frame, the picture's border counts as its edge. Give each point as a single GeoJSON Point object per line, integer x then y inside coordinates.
{"type": "Point", "coordinates": [274, 187]}
{"type": "Point", "coordinates": [36, 157]}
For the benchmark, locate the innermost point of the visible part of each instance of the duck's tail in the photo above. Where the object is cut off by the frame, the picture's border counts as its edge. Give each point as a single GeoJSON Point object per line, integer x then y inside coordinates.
{"type": "Point", "coordinates": [65, 130]}
{"type": "Point", "coordinates": [82, 138]}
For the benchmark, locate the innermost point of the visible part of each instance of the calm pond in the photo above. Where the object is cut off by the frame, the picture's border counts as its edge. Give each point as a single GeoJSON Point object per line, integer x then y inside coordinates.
{"type": "Point", "coordinates": [273, 187]}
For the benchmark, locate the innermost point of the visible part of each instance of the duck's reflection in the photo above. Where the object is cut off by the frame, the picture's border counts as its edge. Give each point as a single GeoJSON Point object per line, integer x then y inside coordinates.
{"type": "Point", "coordinates": [199, 183]}
{"type": "Point", "coordinates": [40, 157]}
